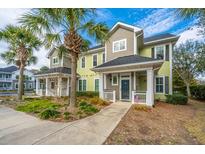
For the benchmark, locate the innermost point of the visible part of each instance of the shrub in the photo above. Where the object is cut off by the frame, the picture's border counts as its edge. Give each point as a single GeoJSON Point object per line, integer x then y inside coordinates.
{"type": "Point", "coordinates": [177, 99]}
{"type": "Point", "coordinates": [98, 101]}
{"type": "Point", "coordinates": [66, 115]}
{"type": "Point", "coordinates": [87, 108]}
{"type": "Point", "coordinates": [37, 106]}
{"type": "Point", "coordinates": [88, 93]}
{"type": "Point", "coordinates": [142, 107]}
{"type": "Point", "coordinates": [198, 92]}
{"type": "Point", "coordinates": [49, 113]}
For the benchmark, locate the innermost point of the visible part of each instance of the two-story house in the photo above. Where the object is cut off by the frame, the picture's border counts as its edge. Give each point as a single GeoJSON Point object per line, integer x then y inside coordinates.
{"type": "Point", "coordinates": [9, 79]}
{"type": "Point", "coordinates": [128, 67]}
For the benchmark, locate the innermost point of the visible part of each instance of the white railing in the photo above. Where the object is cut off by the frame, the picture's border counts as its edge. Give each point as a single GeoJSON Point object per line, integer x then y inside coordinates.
{"type": "Point", "coordinates": [6, 79]}
{"type": "Point", "coordinates": [109, 95]}
{"type": "Point", "coordinates": [139, 97]}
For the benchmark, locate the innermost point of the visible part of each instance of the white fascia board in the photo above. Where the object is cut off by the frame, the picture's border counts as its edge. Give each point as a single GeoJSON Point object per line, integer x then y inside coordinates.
{"type": "Point", "coordinates": [125, 65]}
{"type": "Point", "coordinates": [175, 37]}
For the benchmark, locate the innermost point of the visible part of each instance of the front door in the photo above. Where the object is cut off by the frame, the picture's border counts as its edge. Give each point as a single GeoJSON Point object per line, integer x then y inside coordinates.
{"type": "Point", "coordinates": [125, 89]}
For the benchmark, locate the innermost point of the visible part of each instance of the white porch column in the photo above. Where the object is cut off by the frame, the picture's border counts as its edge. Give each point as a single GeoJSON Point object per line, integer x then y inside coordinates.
{"type": "Point", "coordinates": [47, 87]}
{"type": "Point", "coordinates": [59, 86]}
{"type": "Point", "coordinates": [101, 85]}
{"type": "Point", "coordinates": [37, 85]}
{"type": "Point", "coordinates": [134, 81]}
{"type": "Point", "coordinates": [150, 88]}
{"type": "Point", "coordinates": [104, 81]}
{"type": "Point", "coordinates": [68, 85]}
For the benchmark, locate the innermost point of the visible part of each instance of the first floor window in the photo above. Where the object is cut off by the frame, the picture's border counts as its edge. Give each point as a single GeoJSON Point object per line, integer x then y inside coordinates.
{"type": "Point", "coordinates": [30, 85]}
{"type": "Point", "coordinates": [52, 85]}
{"type": "Point", "coordinates": [114, 79]}
{"type": "Point", "coordinates": [16, 85]}
{"type": "Point", "coordinates": [82, 85]}
{"type": "Point", "coordinates": [96, 84]}
{"type": "Point", "coordinates": [159, 84]}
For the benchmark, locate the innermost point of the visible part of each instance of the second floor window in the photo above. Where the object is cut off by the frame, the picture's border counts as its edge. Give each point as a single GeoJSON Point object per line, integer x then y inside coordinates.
{"type": "Point", "coordinates": [103, 58]}
{"type": "Point", "coordinates": [55, 60]}
{"type": "Point", "coordinates": [95, 60]}
{"type": "Point", "coordinates": [120, 45]}
{"type": "Point", "coordinates": [83, 62]}
{"type": "Point", "coordinates": [159, 52]}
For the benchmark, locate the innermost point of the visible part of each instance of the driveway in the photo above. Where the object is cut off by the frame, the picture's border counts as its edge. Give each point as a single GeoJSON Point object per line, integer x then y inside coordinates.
{"type": "Point", "coordinates": [20, 128]}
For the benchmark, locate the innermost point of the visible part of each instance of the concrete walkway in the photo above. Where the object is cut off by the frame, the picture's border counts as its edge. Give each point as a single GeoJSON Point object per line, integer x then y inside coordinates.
{"type": "Point", "coordinates": [20, 128]}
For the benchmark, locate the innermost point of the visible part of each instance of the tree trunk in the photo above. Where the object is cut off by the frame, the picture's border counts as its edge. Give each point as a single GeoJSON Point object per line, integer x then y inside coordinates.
{"type": "Point", "coordinates": [21, 83]}
{"type": "Point", "coordinates": [188, 90]}
{"type": "Point", "coordinates": [73, 80]}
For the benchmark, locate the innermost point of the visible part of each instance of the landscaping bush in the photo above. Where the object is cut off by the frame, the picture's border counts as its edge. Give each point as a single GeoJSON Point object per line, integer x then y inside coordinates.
{"type": "Point", "coordinates": [142, 108]}
{"type": "Point", "coordinates": [87, 108]}
{"type": "Point", "coordinates": [98, 101]}
{"type": "Point", "coordinates": [66, 115]}
{"type": "Point", "coordinates": [177, 99]}
{"type": "Point", "coordinates": [88, 93]}
{"type": "Point", "coordinates": [198, 92]}
{"type": "Point", "coordinates": [49, 113]}
{"type": "Point", "coordinates": [37, 106]}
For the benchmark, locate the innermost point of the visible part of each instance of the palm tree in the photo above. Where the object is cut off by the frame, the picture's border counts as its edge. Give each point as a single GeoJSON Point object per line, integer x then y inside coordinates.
{"type": "Point", "coordinates": [190, 12]}
{"type": "Point", "coordinates": [64, 29]}
{"type": "Point", "coordinates": [21, 45]}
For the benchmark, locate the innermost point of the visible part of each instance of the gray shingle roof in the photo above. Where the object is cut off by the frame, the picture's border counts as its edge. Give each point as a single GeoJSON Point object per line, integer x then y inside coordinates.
{"type": "Point", "coordinates": [64, 70]}
{"type": "Point", "coordinates": [96, 47]}
{"type": "Point", "coordinates": [158, 37]}
{"type": "Point", "coordinates": [9, 69]}
{"type": "Point", "coordinates": [126, 60]}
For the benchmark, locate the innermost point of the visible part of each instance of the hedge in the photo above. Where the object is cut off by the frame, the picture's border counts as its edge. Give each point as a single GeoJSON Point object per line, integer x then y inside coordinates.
{"type": "Point", "coordinates": [177, 99]}
{"type": "Point", "coordinates": [88, 93]}
{"type": "Point", "coordinates": [197, 92]}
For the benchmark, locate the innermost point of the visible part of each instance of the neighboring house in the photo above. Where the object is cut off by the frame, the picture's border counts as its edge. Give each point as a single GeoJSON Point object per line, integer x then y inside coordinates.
{"type": "Point", "coordinates": [9, 79]}
{"type": "Point", "coordinates": [128, 67]}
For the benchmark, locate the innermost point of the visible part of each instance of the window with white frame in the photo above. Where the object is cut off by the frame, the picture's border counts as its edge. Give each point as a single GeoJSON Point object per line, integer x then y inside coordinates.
{"type": "Point", "coordinates": [30, 85]}
{"type": "Point", "coordinates": [96, 84]}
{"type": "Point", "coordinates": [82, 85]}
{"type": "Point", "coordinates": [120, 45]}
{"type": "Point", "coordinates": [103, 57]}
{"type": "Point", "coordinates": [95, 60]}
{"type": "Point", "coordinates": [159, 84]}
{"type": "Point", "coordinates": [114, 79]}
{"type": "Point", "coordinates": [83, 62]}
{"type": "Point", "coordinates": [160, 52]}
{"type": "Point", "coordinates": [55, 60]}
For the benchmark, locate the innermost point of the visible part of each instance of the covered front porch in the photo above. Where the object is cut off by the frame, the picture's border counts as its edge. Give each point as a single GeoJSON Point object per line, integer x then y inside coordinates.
{"type": "Point", "coordinates": [129, 79]}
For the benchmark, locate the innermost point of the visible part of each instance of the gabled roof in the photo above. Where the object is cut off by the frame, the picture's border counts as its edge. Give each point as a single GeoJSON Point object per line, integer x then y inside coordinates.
{"type": "Point", "coordinates": [64, 70]}
{"type": "Point", "coordinates": [160, 37]}
{"type": "Point", "coordinates": [126, 60]}
{"type": "Point", "coordinates": [123, 25]}
{"type": "Point", "coordinates": [9, 69]}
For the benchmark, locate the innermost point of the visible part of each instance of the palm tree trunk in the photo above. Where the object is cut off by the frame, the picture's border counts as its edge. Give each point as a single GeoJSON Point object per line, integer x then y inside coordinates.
{"type": "Point", "coordinates": [73, 80]}
{"type": "Point", "coordinates": [188, 90]}
{"type": "Point", "coordinates": [20, 83]}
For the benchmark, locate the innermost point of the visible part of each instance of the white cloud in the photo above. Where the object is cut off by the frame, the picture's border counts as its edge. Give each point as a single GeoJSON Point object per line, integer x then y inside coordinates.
{"type": "Point", "coordinates": [190, 34]}
{"type": "Point", "coordinates": [158, 21]}
{"type": "Point", "coordinates": [10, 16]}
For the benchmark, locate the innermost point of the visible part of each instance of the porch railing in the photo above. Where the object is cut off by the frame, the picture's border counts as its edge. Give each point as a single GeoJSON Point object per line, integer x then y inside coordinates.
{"type": "Point", "coordinates": [139, 97]}
{"type": "Point", "coordinates": [109, 95]}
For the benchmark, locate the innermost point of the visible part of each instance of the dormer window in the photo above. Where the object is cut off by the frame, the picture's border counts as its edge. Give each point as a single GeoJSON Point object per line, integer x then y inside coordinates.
{"type": "Point", "coordinates": [119, 45]}
{"type": "Point", "coordinates": [55, 60]}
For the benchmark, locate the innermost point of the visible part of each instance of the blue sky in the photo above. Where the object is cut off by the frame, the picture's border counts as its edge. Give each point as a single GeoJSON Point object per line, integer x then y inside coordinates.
{"type": "Point", "coordinates": [152, 21]}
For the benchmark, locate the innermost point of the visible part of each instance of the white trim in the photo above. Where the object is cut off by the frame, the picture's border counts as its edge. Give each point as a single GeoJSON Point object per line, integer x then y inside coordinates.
{"type": "Point", "coordinates": [112, 79]}
{"type": "Point", "coordinates": [135, 44]}
{"type": "Point", "coordinates": [170, 75]}
{"type": "Point", "coordinates": [134, 78]}
{"type": "Point", "coordinates": [105, 52]}
{"type": "Point", "coordinates": [130, 80]}
{"type": "Point", "coordinates": [81, 58]}
{"type": "Point", "coordinates": [159, 76]}
{"type": "Point", "coordinates": [93, 61]}
{"type": "Point", "coordinates": [128, 70]}
{"type": "Point", "coordinates": [104, 81]}
{"type": "Point", "coordinates": [126, 25]}
{"type": "Point", "coordinates": [164, 52]}
{"type": "Point", "coordinates": [92, 50]}
{"type": "Point", "coordinates": [151, 62]}
{"type": "Point", "coordinates": [113, 51]}
{"type": "Point", "coordinates": [161, 40]}
{"type": "Point", "coordinates": [61, 59]}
